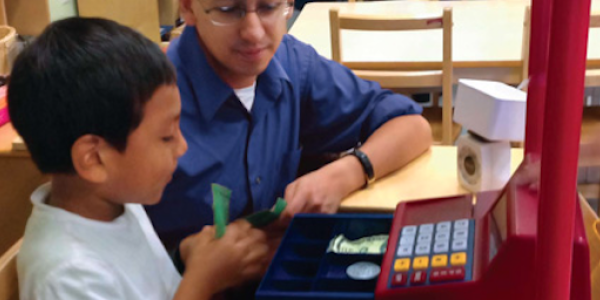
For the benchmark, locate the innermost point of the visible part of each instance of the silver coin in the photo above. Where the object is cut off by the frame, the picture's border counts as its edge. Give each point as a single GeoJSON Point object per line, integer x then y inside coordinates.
{"type": "Point", "coordinates": [363, 270]}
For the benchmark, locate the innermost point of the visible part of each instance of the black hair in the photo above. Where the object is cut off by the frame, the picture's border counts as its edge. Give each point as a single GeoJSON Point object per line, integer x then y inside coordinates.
{"type": "Point", "coordinates": [82, 76]}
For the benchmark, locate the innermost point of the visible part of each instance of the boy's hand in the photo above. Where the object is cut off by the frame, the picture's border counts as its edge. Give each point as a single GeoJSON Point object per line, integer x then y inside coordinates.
{"type": "Point", "coordinates": [240, 255]}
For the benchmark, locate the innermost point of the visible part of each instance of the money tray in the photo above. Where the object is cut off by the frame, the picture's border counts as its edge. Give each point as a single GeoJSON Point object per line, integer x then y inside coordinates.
{"type": "Point", "coordinates": [302, 268]}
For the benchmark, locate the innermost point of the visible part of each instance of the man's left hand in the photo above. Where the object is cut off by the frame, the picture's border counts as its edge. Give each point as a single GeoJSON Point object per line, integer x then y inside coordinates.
{"type": "Point", "coordinates": [322, 191]}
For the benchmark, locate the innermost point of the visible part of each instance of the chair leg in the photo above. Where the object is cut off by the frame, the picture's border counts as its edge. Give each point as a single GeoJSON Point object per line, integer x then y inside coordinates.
{"type": "Point", "coordinates": [435, 99]}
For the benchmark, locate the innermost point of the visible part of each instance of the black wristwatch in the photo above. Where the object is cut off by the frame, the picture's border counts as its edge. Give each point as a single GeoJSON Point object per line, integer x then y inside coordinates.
{"type": "Point", "coordinates": [366, 164]}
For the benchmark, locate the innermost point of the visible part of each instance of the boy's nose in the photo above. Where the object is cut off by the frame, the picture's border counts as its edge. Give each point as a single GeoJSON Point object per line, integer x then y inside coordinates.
{"type": "Point", "coordinates": [183, 146]}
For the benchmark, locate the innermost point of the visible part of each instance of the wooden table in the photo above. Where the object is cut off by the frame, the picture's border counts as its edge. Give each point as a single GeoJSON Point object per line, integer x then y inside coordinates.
{"type": "Point", "coordinates": [432, 175]}
{"type": "Point", "coordinates": [487, 36]}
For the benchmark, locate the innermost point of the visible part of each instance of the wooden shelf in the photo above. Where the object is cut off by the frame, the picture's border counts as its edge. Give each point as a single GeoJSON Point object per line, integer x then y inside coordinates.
{"type": "Point", "coordinates": [7, 135]}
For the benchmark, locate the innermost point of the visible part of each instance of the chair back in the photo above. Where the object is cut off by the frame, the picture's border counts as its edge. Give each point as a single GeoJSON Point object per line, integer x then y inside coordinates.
{"type": "Point", "coordinates": [404, 75]}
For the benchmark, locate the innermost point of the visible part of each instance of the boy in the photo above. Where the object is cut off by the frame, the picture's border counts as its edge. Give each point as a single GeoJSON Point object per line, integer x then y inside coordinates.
{"type": "Point", "coordinates": [98, 107]}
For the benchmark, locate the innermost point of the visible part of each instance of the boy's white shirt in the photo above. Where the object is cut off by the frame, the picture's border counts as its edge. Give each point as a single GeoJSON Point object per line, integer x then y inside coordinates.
{"type": "Point", "coordinates": [66, 256]}
{"type": "Point", "coordinates": [246, 96]}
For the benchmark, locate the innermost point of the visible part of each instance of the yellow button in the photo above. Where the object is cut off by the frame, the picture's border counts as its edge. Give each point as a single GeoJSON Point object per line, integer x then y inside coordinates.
{"type": "Point", "coordinates": [421, 263]}
{"type": "Point", "coordinates": [439, 261]}
{"type": "Point", "coordinates": [458, 259]}
{"type": "Point", "coordinates": [402, 265]}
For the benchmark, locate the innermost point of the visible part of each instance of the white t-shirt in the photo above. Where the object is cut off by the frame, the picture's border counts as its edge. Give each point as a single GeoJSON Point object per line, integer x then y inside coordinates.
{"type": "Point", "coordinates": [246, 96]}
{"type": "Point", "coordinates": [66, 256]}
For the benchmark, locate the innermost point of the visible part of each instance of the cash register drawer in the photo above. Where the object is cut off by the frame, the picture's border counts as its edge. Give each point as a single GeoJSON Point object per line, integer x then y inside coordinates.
{"type": "Point", "coordinates": [302, 268]}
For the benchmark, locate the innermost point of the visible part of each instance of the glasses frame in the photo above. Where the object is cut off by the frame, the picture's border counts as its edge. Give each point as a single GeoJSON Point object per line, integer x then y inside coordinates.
{"type": "Point", "coordinates": [286, 4]}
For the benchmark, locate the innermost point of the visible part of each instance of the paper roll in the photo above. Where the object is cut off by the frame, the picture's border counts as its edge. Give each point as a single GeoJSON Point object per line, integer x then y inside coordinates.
{"type": "Point", "coordinates": [482, 165]}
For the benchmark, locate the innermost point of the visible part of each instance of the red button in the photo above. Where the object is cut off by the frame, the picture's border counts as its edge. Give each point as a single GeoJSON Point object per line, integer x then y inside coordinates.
{"type": "Point", "coordinates": [418, 277]}
{"type": "Point", "coordinates": [447, 274]}
{"type": "Point", "coordinates": [436, 275]}
{"type": "Point", "coordinates": [456, 273]}
{"type": "Point", "coordinates": [399, 279]}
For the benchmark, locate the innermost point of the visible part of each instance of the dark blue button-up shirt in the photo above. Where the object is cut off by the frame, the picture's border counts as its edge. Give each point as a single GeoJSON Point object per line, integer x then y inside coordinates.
{"type": "Point", "coordinates": [304, 103]}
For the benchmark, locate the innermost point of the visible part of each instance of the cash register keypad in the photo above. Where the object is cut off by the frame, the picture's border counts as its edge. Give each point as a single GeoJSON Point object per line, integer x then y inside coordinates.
{"type": "Point", "coordinates": [438, 252]}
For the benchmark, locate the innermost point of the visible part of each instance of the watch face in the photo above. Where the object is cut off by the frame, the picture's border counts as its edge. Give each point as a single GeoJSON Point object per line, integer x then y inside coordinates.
{"type": "Point", "coordinates": [469, 165]}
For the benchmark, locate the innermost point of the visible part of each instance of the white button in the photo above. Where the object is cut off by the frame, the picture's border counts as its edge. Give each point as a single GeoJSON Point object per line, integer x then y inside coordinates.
{"type": "Point", "coordinates": [406, 240]}
{"type": "Point", "coordinates": [441, 247]}
{"type": "Point", "coordinates": [404, 251]}
{"type": "Point", "coordinates": [422, 249]}
{"type": "Point", "coordinates": [442, 236]}
{"type": "Point", "coordinates": [443, 227]}
{"type": "Point", "coordinates": [461, 224]}
{"type": "Point", "coordinates": [461, 234]}
{"type": "Point", "coordinates": [426, 228]}
{"type": "Point", "coordinates": [424, 238]}
{"type": "Point", "coordinates": [458, 245]}
{"type": "Point", "coordinates": [409, 230]}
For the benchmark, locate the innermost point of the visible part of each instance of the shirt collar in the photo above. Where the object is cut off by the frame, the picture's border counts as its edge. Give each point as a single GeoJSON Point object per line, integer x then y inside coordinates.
{"type": "Point", "coordinates": [209, 90]}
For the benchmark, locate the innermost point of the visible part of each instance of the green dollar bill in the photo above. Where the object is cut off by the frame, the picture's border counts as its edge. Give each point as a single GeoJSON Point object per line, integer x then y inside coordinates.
{"type": "Point", "coordinates": [221, 198]}
{"type": "Point", "coordinates": [375, 244]}
{"type": "Point", "coordinates": [266, 217]}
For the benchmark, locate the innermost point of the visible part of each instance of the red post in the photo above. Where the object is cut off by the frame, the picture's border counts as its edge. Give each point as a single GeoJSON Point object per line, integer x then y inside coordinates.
{"type": "Point", "coordinates": [562, 127]}
{"type": "Point", "coordinates": [538, 67]}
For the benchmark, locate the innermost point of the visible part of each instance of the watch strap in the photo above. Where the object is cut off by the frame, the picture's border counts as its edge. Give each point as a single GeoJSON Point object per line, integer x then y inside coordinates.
{"type": "Point", "coordinates": [366, 164]}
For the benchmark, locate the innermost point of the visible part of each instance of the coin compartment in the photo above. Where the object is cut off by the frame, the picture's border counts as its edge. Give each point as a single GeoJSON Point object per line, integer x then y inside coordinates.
{"type": "Point", "coordinates": [357, 227]}
{"type": "Point", "coordinates": [303, 250]}
{"type": "Point", "coordinates": [311, 229]}
{"type": "Point", "coordinates": [334, 265]}
{"type": "Point", "coordinates": [296, 269]}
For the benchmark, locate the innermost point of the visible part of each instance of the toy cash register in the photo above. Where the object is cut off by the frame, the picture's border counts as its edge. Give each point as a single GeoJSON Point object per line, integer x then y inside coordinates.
{"type": "Point", "coordinates": [468, 247]}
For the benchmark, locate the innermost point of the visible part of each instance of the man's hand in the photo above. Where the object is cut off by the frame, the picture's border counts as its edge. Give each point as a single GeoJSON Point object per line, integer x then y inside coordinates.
{"type": "Point", "coordinates": [322, 191]}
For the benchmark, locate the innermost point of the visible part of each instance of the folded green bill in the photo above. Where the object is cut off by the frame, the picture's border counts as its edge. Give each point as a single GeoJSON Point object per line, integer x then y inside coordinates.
{"type": "Point", "coordinates": [375, 244]}
{"type": "Point", "coordinates": [266, 217]}
{"type": "Point", "coordinates": [221, 198]}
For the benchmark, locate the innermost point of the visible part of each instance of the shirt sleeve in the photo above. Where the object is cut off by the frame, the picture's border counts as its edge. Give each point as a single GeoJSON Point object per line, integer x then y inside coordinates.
{"type": "Point", "coordinates": [82, 280]}
{"type": "Point", "coordinates": [340, 109]}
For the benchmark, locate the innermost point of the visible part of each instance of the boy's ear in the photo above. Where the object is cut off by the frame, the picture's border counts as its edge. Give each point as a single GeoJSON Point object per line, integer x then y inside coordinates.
{"type": "Point", "coordinates": [185, 8]}
{"type": "Point", "coordinates": [87, 158]}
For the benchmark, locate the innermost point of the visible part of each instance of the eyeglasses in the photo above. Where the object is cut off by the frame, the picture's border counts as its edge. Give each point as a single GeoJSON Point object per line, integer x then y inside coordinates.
{"type": "Point", "coordinates": [230, 15]}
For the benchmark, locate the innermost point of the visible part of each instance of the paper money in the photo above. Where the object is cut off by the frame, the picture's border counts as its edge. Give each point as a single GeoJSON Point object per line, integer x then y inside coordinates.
{"type": "Point", "coordinates": [266, 217]}
{"type": "Point", "coordinates": [221, 198]}
{"type": "Point", "coordinates": [375, 244]}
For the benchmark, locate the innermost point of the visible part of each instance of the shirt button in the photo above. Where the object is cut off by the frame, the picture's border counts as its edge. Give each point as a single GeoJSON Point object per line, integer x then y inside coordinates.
{"type": "Point", "coordinates": [258, 179]}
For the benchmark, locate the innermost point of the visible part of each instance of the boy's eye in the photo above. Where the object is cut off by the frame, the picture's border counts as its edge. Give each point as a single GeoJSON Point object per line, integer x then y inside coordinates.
{"type": "Point", "coordinates": [168, 138]}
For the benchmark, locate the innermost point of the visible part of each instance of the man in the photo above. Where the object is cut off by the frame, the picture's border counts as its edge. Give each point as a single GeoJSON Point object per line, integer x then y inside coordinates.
{"type": "Point", "coordinates": [254, 100]}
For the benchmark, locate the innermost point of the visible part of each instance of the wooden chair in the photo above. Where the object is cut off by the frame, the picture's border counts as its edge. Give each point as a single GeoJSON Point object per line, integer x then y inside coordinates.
{"type": "Point", "coordinates": [592, 76]}
{"type": "Point", "coordinates": [592, 231]}
{"type": "Point", "coordinates": [391, 76]}
{"type": "Point", "coordinates": [9, 287]}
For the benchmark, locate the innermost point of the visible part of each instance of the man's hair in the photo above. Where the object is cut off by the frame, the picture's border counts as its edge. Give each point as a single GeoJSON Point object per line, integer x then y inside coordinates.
{"type": "Point", "coordinates": [83, 76]}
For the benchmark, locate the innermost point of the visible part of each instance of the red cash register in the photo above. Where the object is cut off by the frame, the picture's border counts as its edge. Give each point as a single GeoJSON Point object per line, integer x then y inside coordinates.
{"type": "Point", "coordinates": [471, 247]}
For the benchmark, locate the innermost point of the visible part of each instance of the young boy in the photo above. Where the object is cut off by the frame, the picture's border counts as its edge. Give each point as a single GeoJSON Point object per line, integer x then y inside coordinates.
{"type": "Point", "coordinates": [98, 107]}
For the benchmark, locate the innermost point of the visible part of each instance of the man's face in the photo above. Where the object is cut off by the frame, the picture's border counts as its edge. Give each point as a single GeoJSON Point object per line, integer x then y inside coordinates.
{"type": "Point", "coordinates": [239, 48]}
